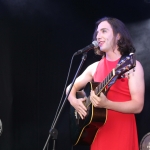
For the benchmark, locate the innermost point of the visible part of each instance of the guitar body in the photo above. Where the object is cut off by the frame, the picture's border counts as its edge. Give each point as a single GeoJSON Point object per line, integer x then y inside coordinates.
{"type": "Point", "coordinates": [83, 131]}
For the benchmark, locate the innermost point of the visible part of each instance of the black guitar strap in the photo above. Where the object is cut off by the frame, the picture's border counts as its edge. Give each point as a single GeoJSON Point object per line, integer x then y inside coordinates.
{"type": "Point", "coordinates": [116, 77]}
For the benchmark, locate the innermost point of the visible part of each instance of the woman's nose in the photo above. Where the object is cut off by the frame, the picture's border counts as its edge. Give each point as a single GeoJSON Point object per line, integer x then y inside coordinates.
{"type": "Point", "coordinates": [98, 36]}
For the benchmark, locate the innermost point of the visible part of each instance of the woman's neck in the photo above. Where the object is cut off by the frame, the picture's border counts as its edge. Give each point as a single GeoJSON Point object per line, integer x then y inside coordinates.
{"type": "Point", "coordinates": [113, 55]}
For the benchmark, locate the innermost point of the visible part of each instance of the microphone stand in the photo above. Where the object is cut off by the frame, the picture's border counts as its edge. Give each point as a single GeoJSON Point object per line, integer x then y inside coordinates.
{"type": "Point", "coordinates": [53, 132]}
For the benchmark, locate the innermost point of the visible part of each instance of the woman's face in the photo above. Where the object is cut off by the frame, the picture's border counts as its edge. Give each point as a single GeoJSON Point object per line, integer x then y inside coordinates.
{"type": "Point", "coordinates": [105, 37]}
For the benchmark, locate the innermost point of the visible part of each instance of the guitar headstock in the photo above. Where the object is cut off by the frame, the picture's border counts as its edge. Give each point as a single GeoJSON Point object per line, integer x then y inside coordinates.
{"type": "Point", "coordinates": [126, 64]}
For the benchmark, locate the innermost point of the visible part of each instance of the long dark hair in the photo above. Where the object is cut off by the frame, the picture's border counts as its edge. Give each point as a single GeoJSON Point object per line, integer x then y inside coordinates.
{"type": "Point", "coordinates": [125, 45]}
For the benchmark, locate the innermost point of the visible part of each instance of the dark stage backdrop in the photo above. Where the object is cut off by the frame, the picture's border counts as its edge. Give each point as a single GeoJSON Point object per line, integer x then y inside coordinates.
{"type": "Point", "coordinates": [37, 41]}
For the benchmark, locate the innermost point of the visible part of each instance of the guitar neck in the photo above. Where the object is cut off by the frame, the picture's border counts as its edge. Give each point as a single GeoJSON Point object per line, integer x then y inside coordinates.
{"type": "Point", "coordinates": [102, 86]}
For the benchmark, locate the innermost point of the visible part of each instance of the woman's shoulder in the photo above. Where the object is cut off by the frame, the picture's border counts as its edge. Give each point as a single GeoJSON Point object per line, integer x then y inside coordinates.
{"type": "Point", "coordinates": [93, 67]}
{"type": "Point", "coordinates": [96, 63]}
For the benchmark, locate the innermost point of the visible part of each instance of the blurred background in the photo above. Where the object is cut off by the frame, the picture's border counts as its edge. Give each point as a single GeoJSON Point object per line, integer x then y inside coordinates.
{"type": "Point", "coordinates": [37, 41]}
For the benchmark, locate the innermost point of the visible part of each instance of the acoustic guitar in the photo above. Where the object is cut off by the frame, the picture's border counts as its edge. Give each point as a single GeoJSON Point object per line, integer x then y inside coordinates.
{"type": "Point", "coordinates": [83, 131]}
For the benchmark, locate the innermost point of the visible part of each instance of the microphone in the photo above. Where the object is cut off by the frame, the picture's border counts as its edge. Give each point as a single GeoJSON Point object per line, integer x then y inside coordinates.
{"type": "Point", "coordinates": [87, 48]}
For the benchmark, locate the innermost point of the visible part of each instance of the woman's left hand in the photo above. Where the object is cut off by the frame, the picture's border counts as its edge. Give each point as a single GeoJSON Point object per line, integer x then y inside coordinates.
{"type": "Point", "coordinates": [98, 101]}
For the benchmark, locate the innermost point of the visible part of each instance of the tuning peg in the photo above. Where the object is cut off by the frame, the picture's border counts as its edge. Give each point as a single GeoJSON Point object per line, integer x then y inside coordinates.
{"type": "Point", "coordinates": [123, 76]}
{"type": "Point", "coordinates": [127, 57]}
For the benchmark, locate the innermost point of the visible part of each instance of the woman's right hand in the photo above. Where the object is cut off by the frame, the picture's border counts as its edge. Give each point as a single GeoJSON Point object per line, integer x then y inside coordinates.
{"type": "Point", "coordinates": [79, 106]}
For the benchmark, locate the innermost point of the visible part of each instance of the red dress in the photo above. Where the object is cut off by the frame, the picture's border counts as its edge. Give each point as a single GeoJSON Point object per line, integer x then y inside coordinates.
{"type": "Point", "coordinates": [119, 132]}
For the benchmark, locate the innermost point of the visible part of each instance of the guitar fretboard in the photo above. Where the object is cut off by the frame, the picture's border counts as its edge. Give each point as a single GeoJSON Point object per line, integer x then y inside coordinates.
{"type": "Point", "coordinates": [105, 82]}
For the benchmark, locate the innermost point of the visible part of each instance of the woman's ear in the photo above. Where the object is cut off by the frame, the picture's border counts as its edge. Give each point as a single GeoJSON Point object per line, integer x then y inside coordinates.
{"type": "Point", "coordinates": [118, 36]}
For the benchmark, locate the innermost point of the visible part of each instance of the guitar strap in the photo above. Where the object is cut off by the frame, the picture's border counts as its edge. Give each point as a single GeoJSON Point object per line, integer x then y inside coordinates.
{"type": "Point", "coordinates": [116, 77]}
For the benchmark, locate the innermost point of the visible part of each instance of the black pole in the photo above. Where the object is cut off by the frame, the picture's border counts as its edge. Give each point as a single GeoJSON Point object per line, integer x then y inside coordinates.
{"type": "Point", "coordinates": [53, 132]}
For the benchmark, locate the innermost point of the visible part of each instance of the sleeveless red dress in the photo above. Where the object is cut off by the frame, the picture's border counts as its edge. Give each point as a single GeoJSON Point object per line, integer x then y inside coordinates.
{"type": "Point", "coordinates": [119, 132]}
